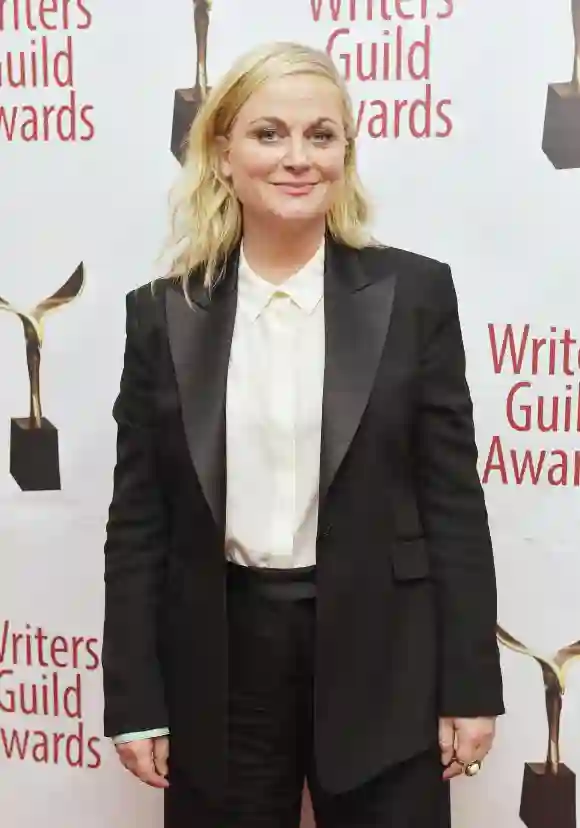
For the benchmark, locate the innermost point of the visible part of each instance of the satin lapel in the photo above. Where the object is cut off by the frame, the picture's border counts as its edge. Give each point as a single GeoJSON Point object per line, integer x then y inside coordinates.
{"type": "Point", "coordinates": [200, 341]}
{"type": "Point", "coordinates": [358, 301]}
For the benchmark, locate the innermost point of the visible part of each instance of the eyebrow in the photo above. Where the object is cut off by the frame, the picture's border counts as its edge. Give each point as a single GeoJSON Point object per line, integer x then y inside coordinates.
{"type": "Point", "coordinates": [278, 121]}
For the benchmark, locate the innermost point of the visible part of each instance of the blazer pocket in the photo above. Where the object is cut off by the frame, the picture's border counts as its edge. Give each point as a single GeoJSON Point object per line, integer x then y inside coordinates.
{"type": "Point", "coordinates": [410, 560]}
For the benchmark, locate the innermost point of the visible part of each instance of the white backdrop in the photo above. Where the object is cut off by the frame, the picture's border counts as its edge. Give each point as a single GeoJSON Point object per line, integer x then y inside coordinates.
{"type": "Point", "coordinates": [481, 196]}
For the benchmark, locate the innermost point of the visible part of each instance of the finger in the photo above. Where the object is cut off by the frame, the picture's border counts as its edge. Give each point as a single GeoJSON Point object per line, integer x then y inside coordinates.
{"type": "Point", "coordinates": [484, 746]}
{"type": "Point", "coordinates": [467, 747]}
{"type": "Point", "coordinates": [446, 740]}
{"type": "Point", "coordinates": [453, 770]}
{"type": "Point", "coordinates": [145, 771]}
{"type": "Point", "coordinates": [143, 768]}
{"type": "Point", "coordinates": [161, 756]}
{"type": "Point", "coordinates": [150, 777]}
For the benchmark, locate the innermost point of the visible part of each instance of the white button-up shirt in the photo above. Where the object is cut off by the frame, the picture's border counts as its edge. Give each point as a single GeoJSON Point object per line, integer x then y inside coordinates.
{"type": "Point", "coordinates": [274, 417]}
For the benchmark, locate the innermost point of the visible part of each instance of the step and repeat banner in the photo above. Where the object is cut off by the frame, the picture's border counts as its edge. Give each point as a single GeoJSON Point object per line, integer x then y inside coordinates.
{"type": "Point", "coordinates": [468, 118]}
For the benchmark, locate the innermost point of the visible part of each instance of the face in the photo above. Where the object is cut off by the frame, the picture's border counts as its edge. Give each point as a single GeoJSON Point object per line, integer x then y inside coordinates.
{"type": "Point", "coordinates": [285, 154]}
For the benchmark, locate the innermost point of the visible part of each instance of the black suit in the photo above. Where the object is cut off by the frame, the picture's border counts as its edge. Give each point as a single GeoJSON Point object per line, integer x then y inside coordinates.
{"type": "Point", "coordinates": [406, 605]}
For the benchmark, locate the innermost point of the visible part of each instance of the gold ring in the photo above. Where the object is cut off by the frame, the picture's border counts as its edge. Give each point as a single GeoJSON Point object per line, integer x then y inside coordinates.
{"type": "Point", "coordinates": [472, 769]}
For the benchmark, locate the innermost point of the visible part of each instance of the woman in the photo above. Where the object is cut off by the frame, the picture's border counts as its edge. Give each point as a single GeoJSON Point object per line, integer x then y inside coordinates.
{"type": "Point", "coordinates": [299, 575]}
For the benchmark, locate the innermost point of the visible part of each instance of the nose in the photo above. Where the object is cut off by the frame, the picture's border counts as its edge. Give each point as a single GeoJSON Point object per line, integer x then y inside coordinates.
{"type": "Point", "coordinates": [297, 156]}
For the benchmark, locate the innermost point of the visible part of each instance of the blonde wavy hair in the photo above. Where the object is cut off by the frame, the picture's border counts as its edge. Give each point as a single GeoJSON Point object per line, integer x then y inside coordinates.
{"type": "Point", "coordinates": [206, 217]}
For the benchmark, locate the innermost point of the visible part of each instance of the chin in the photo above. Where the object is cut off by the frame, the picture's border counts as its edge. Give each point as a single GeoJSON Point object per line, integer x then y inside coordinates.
{"type": "Point", "coordinates": [298, 212]}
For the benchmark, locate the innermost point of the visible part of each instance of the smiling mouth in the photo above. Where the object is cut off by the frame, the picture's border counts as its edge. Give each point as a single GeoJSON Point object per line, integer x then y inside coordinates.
{"type": "Point", "coordinates": [295, 188]}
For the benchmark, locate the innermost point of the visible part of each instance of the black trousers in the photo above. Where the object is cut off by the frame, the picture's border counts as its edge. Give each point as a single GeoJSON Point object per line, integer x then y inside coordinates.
{"type": "Point", "coordinates": [272, 641]}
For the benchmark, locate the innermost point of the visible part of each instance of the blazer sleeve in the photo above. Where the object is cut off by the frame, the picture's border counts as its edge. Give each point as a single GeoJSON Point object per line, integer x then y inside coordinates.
{"type": "Point", "coordinates": [454, 515]}
{"type": "Point", "coordinates": [135, 552]}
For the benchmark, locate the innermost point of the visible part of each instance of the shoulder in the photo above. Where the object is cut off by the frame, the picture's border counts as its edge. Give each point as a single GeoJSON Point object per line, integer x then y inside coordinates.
{"type": "Point", "coordinates": [145, 304]}
{"type": "Point", "coordinates": [151, 292]}
{"type": "Point", "coordinates": [425, 279]}
{"type": "Point", "coordinates": [406, 263]}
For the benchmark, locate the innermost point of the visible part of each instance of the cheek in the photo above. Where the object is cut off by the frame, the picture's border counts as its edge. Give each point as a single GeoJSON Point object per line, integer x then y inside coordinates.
{"type": "Point", "coordinates": [331, 166]}
{"type": "Point", "coordinates": [254, 163]}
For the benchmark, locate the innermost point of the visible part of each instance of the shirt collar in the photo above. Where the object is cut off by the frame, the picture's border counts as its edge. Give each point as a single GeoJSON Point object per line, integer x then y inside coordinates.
{"type": "Point", "coordinates": [305, 287]}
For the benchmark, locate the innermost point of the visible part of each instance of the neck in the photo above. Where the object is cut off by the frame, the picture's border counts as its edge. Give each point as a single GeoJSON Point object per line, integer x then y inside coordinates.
{"type": "Point", "coordinates": [277, 253]}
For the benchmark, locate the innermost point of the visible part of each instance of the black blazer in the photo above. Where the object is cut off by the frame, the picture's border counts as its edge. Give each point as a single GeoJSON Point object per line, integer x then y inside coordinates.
{"type": "Point", "coordinates": [406, 606]}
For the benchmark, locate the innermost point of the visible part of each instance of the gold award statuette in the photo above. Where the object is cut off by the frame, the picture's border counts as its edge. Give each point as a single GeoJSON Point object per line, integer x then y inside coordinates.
{"type": "Point", "coordinates": [34, 456]}
{"type": "Point", "coordinates": [561, 142]}
{"type": "Point", "coordinates": [549, 788]}
{"type": "Point", "coordinates": [188, 101]}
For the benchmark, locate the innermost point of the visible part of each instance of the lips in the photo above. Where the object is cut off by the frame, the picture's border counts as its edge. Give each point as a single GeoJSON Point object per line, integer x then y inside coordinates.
{"type": "Point", "coordinates": [295, 188]}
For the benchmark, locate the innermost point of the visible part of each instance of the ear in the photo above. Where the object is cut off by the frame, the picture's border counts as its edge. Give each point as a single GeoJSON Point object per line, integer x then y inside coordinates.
{"type": "Point", "coordinates": [223, 151]}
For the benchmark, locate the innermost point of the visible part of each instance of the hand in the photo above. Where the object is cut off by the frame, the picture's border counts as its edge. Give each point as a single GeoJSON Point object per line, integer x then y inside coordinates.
{"type": "Point", "coordinates": [467, 740]}
{"type": "Point", "coordinates": [146, 759]}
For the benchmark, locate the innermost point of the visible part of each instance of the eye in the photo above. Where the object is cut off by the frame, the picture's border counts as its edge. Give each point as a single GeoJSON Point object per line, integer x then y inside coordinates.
{"type": "Point", "coordinates": [323, 136]}
{"type": "Point", "coordinates": [268, 135]}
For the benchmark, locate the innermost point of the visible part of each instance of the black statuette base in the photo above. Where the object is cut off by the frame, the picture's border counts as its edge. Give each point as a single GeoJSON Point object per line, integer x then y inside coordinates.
{"type": "Point", "coordinates": [186, 106]}
{"type": "Point", "coordinates": [548, 799]}
{"type": "Point", "coordinates": [34, 455]}
{"type": "Point", "coordinates": [561, 141]}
